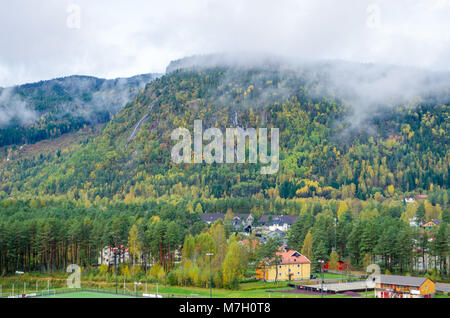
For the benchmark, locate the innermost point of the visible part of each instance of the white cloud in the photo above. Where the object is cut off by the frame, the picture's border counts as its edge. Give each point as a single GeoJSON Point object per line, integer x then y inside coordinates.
{"type": "Point", "coordinates": [118, 38]}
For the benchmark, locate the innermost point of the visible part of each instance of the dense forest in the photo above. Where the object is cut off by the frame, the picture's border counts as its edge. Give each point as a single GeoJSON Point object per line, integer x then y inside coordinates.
{"type": "Point", "coordinates": [320, 155]}
{"type": "Point", "coordinates": [46, 236]}
{"type": "Point", "coordinates": [346, 182]}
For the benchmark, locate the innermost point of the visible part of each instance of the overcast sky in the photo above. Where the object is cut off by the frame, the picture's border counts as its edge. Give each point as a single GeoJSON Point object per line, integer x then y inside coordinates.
{"type": "Point", "coordinates": [106, 38]}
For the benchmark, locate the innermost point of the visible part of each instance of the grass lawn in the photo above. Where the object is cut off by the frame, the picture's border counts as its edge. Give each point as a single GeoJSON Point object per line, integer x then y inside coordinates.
{"type": "Point", "coordinates": [334, 276]}
{"type": "Point", "coordinates": [254, 289]}
{"type": "Point", "coordinates": [86, 294]}
{"type": "Point", "coordinates": [225, 293]}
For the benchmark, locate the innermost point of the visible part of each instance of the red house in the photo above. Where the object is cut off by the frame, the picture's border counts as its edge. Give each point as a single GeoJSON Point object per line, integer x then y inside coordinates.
{"type": "Point", "coordinates": [341, 266]}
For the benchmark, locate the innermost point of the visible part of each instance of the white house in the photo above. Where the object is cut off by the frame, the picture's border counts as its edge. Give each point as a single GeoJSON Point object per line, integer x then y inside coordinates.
{"type": "Point", "coordinates": [410, 200]}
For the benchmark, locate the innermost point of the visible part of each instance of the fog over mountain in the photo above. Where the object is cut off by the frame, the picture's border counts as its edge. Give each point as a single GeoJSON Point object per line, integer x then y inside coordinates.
{"type": "Point", "coordinates": [365, 87]}
{"type": "Point", "coordinates": [36, 111]}
{"type": "Point", "coordinates": [53, 38]}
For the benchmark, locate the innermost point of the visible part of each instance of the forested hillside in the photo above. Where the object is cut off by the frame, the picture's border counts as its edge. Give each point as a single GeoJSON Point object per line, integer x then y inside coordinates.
{"type": "Point", "coordinates": [397, 151]}
{"type": "Point", "coordinates": [48, 109]}
{"type": "Point", "coordinates": [347, 161]}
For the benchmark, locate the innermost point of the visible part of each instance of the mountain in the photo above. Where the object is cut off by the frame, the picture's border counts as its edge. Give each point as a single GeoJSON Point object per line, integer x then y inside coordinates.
{"type": "Point", "coordinates": [47, 109]}
{"type": "Point", "coordinates": [346, 131]}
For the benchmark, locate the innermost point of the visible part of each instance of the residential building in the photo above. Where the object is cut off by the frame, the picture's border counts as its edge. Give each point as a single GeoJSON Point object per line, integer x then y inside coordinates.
{"type": "Point", "coordinates": [410, 200]}
{"type": "Point", "coordinates": [443, 288]}
{"type": "Point", "coordinates": [277, 222]}
{"type": "Point", "coordinates": [292, 266]}
{"type": "Point", "coordinates": [341, 266]}
{"type": "Point", "coordinates": [432, 223]}
{"type": "Point", "coordinates": [414, 222]}
{"type": "Point", "coordinates": [238, 220]}
{"type": "Point", "coordinates": [393, 286]}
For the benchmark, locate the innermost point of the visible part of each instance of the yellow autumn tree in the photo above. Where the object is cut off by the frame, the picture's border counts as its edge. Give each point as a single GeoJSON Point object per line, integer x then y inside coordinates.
{"type": "Point", "coordinates": [307, 246]}
{"type": "Point", "coordinates": [334, 261]}
{"type": "Point", "coordinates": [342, 208]}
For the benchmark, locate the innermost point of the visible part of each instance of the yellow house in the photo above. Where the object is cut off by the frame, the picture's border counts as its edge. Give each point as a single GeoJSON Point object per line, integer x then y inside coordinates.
{"type": "Point", "coordinates": [392, 286]}
{"type": "Point", "coordinates": [430, 224]}
{"type": "Point", "coordinates": [292, 266]}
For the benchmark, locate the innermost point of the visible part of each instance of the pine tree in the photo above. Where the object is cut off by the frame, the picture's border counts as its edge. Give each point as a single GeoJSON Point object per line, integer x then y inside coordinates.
{"type": "Point", "coordinates": [420, 213]}
{"type": "Point", "coordinates": [442, 246]}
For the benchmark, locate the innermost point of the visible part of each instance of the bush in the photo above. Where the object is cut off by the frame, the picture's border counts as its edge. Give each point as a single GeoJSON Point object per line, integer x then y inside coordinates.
{"type": "Point", "coordinates": [234, 284]}
{"type": "Point", "coordinates": [172, 278]}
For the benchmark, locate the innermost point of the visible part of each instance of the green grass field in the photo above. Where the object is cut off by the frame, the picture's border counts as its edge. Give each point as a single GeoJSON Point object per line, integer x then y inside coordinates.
{"type": "Point", "coordinates": [86, 294]}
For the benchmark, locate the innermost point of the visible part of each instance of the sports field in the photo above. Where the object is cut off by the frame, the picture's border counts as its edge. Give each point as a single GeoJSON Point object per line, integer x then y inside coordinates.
{"type": "Point", "coordinates": [86, 294]}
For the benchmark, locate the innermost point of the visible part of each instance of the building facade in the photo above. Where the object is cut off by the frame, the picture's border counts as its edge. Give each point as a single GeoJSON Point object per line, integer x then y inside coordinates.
{"type": "Point", "coordinates": [292, 266]}
{"type": "Point", "coordinates": [392, 286]}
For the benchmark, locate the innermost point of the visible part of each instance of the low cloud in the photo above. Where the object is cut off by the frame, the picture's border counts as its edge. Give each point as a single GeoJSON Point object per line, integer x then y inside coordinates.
{"type": "Point", "coordinates": [116, 38]}
{"type": "Point", "coordinates": [365, 87]}
{"type": "Point", "coordinates": [14, 108]}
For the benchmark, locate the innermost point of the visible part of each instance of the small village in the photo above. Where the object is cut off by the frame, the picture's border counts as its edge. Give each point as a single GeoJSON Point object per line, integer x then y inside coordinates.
{"type": "Point", "coordinates": [295, 268]}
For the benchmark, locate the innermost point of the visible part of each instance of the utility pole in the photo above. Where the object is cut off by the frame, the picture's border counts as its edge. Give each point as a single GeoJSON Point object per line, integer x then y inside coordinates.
{"type": "Point", "coordinates": [115, 266]}
{"type": "Point", "coordinates": [321, 271]}
{"type": "Point", "coordinates": [335, 239]}
{"type": "Point", "coordinates": [210, 274]}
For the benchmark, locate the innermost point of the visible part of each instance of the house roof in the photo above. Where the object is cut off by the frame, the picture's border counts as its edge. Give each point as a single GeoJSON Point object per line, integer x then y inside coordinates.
{"type": "Point", "coordinates": [279, 219]}
{"type": "Point", "coordinates": [264, 220]}
{"type": "Point", "coordinates": [402, 280]}
{"type": "Point", "coordinates": [213, 217]}
{"type": "Point", "coordinates": [441, 287]}
{"type": "Point", "coordinates": [435, 221]}
{"type": "Point", "coordinates": [292, 257]}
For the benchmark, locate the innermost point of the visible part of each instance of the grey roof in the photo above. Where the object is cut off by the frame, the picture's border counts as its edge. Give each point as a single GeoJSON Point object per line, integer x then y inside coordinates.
{"type": "Point", "coordinates": [402, 280]}
{"type": "Point", "coordinates": [213, 217]}
{"type": "Point", "coordinates": [435, 221]}
{"type": "Point", "coordinates": [441, 287]}
{"type": "Point", "coordinates": [279, 219]}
